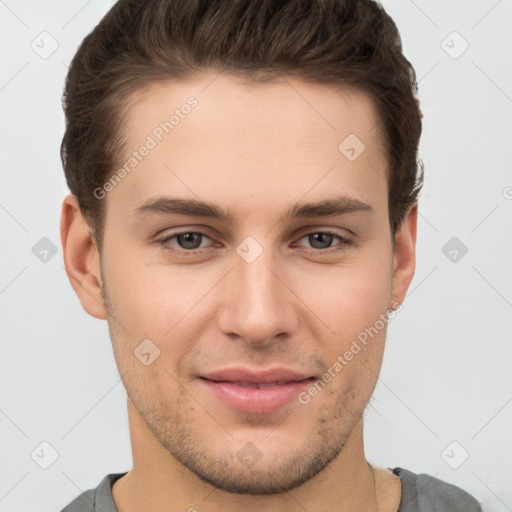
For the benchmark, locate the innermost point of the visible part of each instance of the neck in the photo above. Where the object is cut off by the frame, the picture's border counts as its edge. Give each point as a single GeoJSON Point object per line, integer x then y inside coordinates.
{"type": "Point", "coordinates": [158, 482]}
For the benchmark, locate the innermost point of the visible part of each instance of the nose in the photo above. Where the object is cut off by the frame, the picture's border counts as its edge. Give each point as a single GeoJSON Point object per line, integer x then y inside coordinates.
{"type": "Point", "coordinates": [258, 304]}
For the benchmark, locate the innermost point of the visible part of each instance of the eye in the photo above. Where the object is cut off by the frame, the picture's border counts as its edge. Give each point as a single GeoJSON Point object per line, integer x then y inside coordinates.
{"type": "Point", "coordinates": [322, 240]}
{"type": "Point", "coordinates": [188, 241]}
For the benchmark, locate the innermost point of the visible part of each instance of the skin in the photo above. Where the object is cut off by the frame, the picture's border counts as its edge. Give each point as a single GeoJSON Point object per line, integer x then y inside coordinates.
{"type": "Point", "coordinates": [256, 150]}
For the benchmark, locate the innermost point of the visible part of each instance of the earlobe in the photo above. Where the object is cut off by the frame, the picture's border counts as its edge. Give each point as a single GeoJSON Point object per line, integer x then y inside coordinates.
{"type": "Point", "coordinates": [81, 258]}
{"type": "Point", "coordinates": [404, 259]}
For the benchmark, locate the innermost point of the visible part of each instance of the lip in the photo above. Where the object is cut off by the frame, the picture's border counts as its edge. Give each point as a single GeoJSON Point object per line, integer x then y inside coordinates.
{"type": "Point", "coordinates": [239, 374]}
{"type": "Point", "coordinates": [238, 388]}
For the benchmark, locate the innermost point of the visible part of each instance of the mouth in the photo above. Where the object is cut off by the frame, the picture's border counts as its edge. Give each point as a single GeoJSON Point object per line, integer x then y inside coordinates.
{"type": "Point", "coordinates": [260, 385]}
{"type": "Point", "coordinates": [252, 392]}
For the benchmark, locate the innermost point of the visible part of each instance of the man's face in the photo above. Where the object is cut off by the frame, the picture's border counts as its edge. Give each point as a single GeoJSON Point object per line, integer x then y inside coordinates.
{"type": "Point", "coordinates": [261, 296]}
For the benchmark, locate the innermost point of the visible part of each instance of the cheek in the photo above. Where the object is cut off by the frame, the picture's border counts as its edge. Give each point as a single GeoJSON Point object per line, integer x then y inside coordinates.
{"type": "Point", "coordinates": [154, 298]}
{"type": "Point", "coordinates": [158, 301]}
{"type": "Point", "coordinates": [348, 299]}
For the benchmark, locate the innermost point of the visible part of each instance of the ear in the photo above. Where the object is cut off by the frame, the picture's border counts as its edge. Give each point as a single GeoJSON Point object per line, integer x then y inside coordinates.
{"type": "Point", "coordinates": [404, 257]}
{"type": "Point", "coordinates": [81, 258]}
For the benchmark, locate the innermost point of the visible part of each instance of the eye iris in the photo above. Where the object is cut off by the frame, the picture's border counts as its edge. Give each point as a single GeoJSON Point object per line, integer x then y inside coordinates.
{"type": "Point", "coordinates": [193, 240]}
{"type": "Point", "coordinates": [325, 240]}
{"type": "Point", "coordinates": [189, 240]}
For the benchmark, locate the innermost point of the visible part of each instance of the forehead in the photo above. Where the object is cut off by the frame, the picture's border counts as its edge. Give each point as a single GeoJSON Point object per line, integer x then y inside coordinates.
{"type": "Point", "coordinates": [280, 104]}
{"type": "Point", "coordinates": [221, 137]}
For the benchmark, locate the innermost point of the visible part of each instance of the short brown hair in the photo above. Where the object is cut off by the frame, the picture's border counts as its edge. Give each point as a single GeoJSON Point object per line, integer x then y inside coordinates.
{"type": "Point", "coordinates": [340, 42]}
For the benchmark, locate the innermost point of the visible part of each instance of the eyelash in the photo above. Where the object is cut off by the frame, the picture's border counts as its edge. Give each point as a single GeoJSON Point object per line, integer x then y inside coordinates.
{"type": "Point", "coordinates": [191, 252]}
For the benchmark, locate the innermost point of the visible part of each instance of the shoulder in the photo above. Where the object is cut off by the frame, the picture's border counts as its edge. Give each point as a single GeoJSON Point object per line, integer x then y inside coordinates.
{"type": "Point", "coordinates": [427, 493]}
{"type": "Point", "coordinates": [99, 499]}
{"type": "Point", "coordinates": [82, 503]}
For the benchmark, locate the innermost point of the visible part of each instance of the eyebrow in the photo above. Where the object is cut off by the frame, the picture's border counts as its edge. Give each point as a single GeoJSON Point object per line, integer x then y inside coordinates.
{"type": "Point", "coordinates": [337, 205]}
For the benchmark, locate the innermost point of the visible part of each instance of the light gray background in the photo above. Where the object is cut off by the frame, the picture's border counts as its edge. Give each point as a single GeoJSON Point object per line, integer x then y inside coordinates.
{"type": "Point", "coordinates": [448, 367]}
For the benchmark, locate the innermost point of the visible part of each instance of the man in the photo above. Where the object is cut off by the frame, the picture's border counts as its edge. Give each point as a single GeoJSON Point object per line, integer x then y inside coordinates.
{"type": "Point", "coordinates": [244, 181]}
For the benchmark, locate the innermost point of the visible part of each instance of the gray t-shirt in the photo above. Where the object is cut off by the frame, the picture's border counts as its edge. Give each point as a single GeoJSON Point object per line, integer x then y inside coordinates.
{"type": "Point", "coordinates": [420, 493]}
